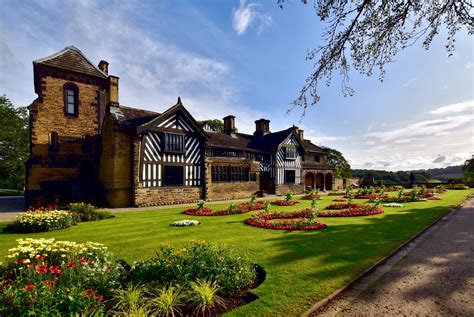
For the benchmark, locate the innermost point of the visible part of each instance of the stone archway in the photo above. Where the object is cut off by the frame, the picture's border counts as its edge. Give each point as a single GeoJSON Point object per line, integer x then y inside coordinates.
{"type": "Point", "coordinates": [309, 180]}
{"type": "Point", "coordinates": [328, 181]}
{"type": "Point", "coordinates": [320, 181]}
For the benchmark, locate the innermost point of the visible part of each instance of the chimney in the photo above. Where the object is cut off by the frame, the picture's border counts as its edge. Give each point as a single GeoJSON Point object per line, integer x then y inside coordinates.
{"type": "Point", "coordinates": [104, 66]}
{"type": "Point", "coordinates": [113, 82]}
{"type": "Point", "coordinates": [300, 134]}
{"type": "Point", "coordinates": [229, 124]}
{"type": "Point", "coordinates": [262, 127]}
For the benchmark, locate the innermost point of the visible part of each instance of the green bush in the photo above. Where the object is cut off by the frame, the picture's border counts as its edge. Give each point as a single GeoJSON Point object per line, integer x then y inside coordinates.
{"type": "Point", "coordinates": [41, 221]}
{"type": "Point", "coordinates": [197, 260]}
{"type": "Point", "coordinates": [88, 212]}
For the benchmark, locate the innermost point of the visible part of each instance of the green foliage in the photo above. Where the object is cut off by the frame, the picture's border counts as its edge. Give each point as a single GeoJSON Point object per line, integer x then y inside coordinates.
{"type": "Point", "coordinates": [41, 221]}
{"type": "Point", "coordinates": [468, 169]}
{"type": "Point", "coordinates": [314, 211]}
{"type": "Point", "coordinates": [200, 204]}
{"type": "Point", "coordinates": [14, 144]}
{"type": "Point", "coordinates": [87, 212]}
{"type": "Point", "coordinates": [197, 260]}
{"type": "Point", "coordinates": [389, 178]}
{"type": "Point", "coordinates": [169, 301]}
{"type": "Point", "coordinates": [216, 124]}
{"type": "Point", "coordinates": [253, 198]}
{"type": "Point", "coordinates": [131, 301]}
{"type": "Point", "coordinates": [204, 295]}
{"type": "Point", "coordinates": [336, 159]}
{"type": "Point", "coordinates": [289, 196]}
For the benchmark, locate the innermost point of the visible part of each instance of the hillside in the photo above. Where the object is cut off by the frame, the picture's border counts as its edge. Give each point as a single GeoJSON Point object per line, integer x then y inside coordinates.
{"type": "Point", "coordinates": [441, 174]}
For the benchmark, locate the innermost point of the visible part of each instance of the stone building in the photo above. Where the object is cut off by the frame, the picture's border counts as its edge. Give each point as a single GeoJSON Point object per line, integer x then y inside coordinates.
{"type": "Point", "coordinates": [86, 146]}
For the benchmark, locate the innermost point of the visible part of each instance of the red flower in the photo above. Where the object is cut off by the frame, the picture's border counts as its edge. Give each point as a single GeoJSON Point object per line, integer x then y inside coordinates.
{"type": "Point", "coordinates": [40, 258]}
{"type": "Point", "coordinates": [29, 287]}
{"type": "Point", "coordinates": [41, 268]}
{"type": "Point", "coordinates": [19, 261]}
{"type": "Point", "coordinates": [55, 270]}
{"type": "Point", "coordinates": [90, 292]}
{"type": "Point", "coordinates": [70, 264]}
{"type": "Point", "coordinates": [48, 282]}
{"type": "Point", "coordinates": [83, 260]}
{"type": "Point", "coordinates": [100, 297]}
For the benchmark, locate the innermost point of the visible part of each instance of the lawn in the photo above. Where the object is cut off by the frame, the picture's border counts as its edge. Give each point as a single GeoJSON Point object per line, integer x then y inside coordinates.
{"type": "Point", "coordinates": [302, 267]}
{"type": "Point", "coordinates": [10, 192]}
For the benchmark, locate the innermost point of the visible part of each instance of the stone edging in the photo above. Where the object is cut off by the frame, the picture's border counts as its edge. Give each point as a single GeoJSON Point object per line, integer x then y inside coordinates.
{"type": "Point", "coordinates": [336, 294]}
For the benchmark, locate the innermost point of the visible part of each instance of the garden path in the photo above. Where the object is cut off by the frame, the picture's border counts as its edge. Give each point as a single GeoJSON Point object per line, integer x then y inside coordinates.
{"type": "Point", "coordinates": [433, 276]}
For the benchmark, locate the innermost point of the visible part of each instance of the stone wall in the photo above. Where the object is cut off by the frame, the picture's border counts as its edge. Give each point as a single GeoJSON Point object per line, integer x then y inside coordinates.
{"type": "Point", "coordinates": [234, 190]}
{"type": "Point", "coordinates": [285, 188]}
{"type": "Point", "coordinates": [166, 195]}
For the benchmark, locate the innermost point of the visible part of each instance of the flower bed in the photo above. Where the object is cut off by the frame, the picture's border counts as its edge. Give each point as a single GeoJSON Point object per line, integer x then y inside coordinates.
{"type": "Point", "coordinates": [284, 202]}
{"type": "Point", "coordinates": [339, 200]}
{"type": "Point", "coordinates": [393, 205]}
{"type": "Point", "coordinates": [41, 221]}
{"type": "Point", "coordinates": [433, 198]}
{"type": "Point", "coordinates": [185, 223]}
{"type": "Point", "coordinates": [58, 277]}
{"type": "Point", "coordinates": [367, 196]}
{"type": "Point", "coordinates": [87, 212]}
{"type": "Point", "coordinates": [239, 209]}
{"type": "Point", "coordinates": [402, 199]}
{"type": "Point", "coordinates": [277, 220]}
{"type": "Point", "coordinates": [344, 206]}
{"type": "Point", "coordinates": [366, 210]}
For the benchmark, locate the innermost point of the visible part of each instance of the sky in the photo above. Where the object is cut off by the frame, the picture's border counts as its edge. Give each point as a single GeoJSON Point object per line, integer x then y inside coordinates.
{"type": "Point", "coordinates": [248, 58]}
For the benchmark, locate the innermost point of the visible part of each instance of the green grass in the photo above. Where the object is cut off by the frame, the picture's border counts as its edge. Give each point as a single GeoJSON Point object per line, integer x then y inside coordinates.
{"type": "Point", "coordinates": [10, 192]}
{"type": "Point", "coordinates": [302, 267]}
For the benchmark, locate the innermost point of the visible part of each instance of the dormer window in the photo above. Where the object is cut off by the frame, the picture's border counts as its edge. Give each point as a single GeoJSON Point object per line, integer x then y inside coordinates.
{"type": "Point", "coordinates": [290, 153]}
{"type": "Point", "coordinates": [71, 99]}
{"type": "Point", "coordinates": [174, 143]}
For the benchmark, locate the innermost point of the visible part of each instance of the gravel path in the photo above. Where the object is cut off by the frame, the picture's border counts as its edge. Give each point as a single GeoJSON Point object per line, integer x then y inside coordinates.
{"type": "Point", "coordinates": [434, 278]}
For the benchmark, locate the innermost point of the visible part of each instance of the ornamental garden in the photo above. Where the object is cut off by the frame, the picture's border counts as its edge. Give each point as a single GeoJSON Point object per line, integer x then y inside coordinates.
{"type": "Point", "coordinates": [257, 257]}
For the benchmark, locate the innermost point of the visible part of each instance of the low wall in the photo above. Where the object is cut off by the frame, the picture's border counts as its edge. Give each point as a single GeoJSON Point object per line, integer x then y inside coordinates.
{"type": "Point", "coordinates": [285, 188]}
{"type": "Point", "coordinates": [166, 195]}
{"type": "Point", "coordinates": [232, 190]}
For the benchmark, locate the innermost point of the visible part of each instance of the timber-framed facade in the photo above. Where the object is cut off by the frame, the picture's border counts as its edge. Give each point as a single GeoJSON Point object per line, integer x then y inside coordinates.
{"type": "Point", "coordinates": [86, 146]}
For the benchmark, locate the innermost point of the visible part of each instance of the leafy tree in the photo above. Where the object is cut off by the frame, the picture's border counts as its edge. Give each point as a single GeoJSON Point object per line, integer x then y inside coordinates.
{"type": "Point", "coordinates": [366, 35]}
{"type": "Point", "coordinates": [468, 169]}
{"type": "Point", "coordinates": [14, 142]}
{"type": "Point", "coordinates": [215, 124]}
{"type": "Point", "coordinates": [336, 159]}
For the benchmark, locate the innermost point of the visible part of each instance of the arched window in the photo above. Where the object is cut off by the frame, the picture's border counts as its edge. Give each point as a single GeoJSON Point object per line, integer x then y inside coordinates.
{"type": "Point", "coordinates": [71, 99]}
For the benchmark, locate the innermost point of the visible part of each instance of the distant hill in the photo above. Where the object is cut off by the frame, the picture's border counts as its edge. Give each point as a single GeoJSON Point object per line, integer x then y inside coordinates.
{"type": "Point", "coordinates": [429, 175]}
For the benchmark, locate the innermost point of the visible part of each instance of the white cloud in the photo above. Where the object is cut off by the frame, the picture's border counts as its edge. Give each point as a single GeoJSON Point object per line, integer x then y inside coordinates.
{"type": "Point", "coordinates": [247, 15]}
{"type": "Point", "coordinates": [467, 105]}
{"type": "Point", "coordinates": [409, 82]}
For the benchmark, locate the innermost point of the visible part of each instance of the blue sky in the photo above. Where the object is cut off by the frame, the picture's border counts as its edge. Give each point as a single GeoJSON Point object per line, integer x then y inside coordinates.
{"type": "Point", "coordinates": [247, 58]}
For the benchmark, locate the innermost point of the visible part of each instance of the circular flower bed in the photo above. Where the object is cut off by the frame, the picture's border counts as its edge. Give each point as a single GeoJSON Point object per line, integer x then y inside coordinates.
{"type": "Point", "coordinates": [433, 198]}
{"type": "Point", "coordinates": [344, 206]}
{"type": "Point", "coordinates": [185, 223]}
{"type": "Point", "coordinates": [366, 210]}
{"type": "Point", "coordinates": [340, 200]}
{"type": "Point", "coordinates": [367, 196]}
{"type": "Point", "coordinates": [239, 209]}
{"type": "Point", "coordinates": [285, 202]}
{"type": "Point", "coordinates": [277, 220]}
{"type": "Point", "coordinates": [311, 196]}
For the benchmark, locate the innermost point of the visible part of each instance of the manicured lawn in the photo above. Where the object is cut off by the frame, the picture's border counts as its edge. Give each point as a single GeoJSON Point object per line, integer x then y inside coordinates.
{"type": "Point", "coordinates": [302, 267]}
{"type": "Point", "coordinates": [10, 192]}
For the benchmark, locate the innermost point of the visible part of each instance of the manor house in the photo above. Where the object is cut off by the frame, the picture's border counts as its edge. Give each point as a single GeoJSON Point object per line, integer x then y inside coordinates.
{"type": "Point", "coordinates": [86, 146]}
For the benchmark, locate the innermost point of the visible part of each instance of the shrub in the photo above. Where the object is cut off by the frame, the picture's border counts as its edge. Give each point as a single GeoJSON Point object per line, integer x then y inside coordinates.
{"type": "Point", "coordinates": [58, 277]}
{"type": "Point", "coordinates": [169, 301]}
{"type": "Point", "coordinates": [88, 212]}
{"type": "Point", "coordinates": [289, 196]}
{"type": "Point", "coordinates": [131, 301]}
{"type": "Point", "coordinates": [197, 260]}
{"type": "Point", "coordinates": [41, 221]}
{"type": "Point", "coordinates": [456, 186]}
{"type": "Point", "coordinates": [204, 296]}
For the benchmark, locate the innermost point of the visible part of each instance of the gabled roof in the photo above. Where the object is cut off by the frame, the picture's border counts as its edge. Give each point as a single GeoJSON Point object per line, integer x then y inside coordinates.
{"type": "Point", "coordinates": [71, 58]}
{"type": "Point", "coordinates": [129, 118]}
{"type": "Point", "coordinates": [238, 141]}
{"type": "Point", "coordinates": [311, 147]}
{"type": "Point", "coordinates": [271, 141]}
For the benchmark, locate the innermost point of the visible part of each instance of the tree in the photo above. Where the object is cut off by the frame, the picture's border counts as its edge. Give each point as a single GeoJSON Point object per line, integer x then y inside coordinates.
{"type": "Point", "coordinates": [215, 124]}
{"type": "Point", "coordinates": [366, 35]}
{"type": "Point", "coordinates": [468, 169]}
{"type": "Point", "coordinates": [14, 134]}
{"type": "Point", "coordinates": [336, 159]}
